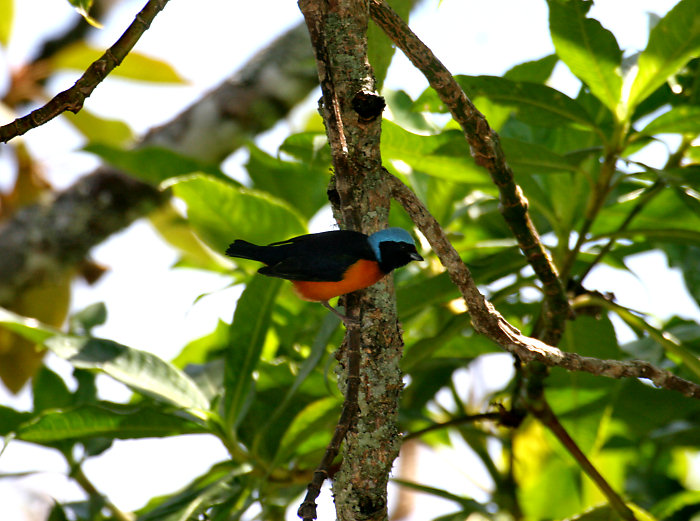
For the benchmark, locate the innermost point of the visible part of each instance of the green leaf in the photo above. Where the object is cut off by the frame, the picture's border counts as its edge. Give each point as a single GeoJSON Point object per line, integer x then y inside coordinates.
{"type": "Point", "coordinates": [140, 370]}
{"type": "Point", "coordinates": [308, 147]}
{"type": "Point", "coordinates": [318, 348]}
{"type": "Point", "coordinates": [221, 212]}
{"type": "Point", "coordinates": [7, 12]}
{"type": "Point", "coordinates": [310, 429]}
{"type": "Point", "coordinates": [302, 184]}
{"type": "Point", "coordinates": [685, 257]}
{"type": "Point", "coordinates": [445, 155]}
{"type": "Point", "coordinates": [100, 130]}
{"type": "Point", "coordinates": [86, 319]}
{"type": "Point", "coordinates": [683, 119]}
{"type": "Point", "coordinates": [178, 232]}
{"type": "Point", "coordinates": [222, 483]}
{"type": "Point", "coordinates": [536, 71]}
{"type": "Point", "coordinates": [672, 345]}
{"type": "Point", "coordinates": [49, 391]}
{"type": "Point", "coordinates": [251, 322]}
{"type": "Point", "coordinates": [104, 419]}
{"type": "Point", "coordinates": [11, 419]}
{"type": "Point", "coordinates": [672, 43]}
{"type": "Point", "coordinates": [534, 158]}
{"type": "Point", "coordinates": [83, 9]}
{"type": "Point", "coordinates": [589, 50]}
{"type": "Point", "coordinates": [534, 103]}
{"type": "Point", "coordinates": [199, 351]}
{"type": "Point", "coordinates": [380, 49]}
{"type": "Point", "coordinates": [428, 348]}
{"type": "Point", "coordinates": [671, 505]}
{"type": "Point", "coordinates": [606, 513]}
{"type": "Point", "coordinates": [153, 164]}
{"type": "Point", "coordinates": [28, 328]}
{"type": "Point", "coordinates": [135, 66]}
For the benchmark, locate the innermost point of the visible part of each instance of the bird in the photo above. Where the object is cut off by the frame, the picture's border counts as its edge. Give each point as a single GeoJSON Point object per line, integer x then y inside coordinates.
{"type": "Point", "coordinates": [333, 263]}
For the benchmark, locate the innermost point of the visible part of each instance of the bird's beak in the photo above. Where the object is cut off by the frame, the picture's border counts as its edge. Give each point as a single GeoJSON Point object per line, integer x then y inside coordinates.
{"type": "Point", "coordinates": [415, 256]}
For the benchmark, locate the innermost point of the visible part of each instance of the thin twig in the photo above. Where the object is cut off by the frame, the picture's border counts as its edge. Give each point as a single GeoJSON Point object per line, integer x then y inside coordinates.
{"type": "Point", "coordinates": [487, 152]}
{"type": "Point", "coordinates": [461, 420]}
{"type": "Point", "coordinates": [73, 98]}
{"type": "Point", "coordinates": [79, 476]}
{"type": "Point", "coordinates": [674, 161]}
{"type": "Point", "coordinates": [307, 510]}
{"type": "Point", "coordinates": [649, 193]}
{"type": "Point", "coordinates": [540, 408]}
{"type": "Point", "coordinates": [489, 322]}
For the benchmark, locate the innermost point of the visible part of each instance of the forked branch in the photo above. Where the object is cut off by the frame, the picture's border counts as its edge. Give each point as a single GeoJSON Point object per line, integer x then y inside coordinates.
{"type": "Point", "coordinates": [486, 149]}
{"type": "Point", "coordinates": [489, 322]}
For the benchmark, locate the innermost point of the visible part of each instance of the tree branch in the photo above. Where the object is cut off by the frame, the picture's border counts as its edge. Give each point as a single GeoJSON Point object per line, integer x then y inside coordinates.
{"type": "Point", "coordinates": [489, 322]}
{"type": "Point", "coordinates": [487, 152]}
{"type": "Point", "coordinates": [351, 110]}
{"type": "Point", "coordinates": [251, 101]}
{"type": "Point", "coordinates": [73, 98]}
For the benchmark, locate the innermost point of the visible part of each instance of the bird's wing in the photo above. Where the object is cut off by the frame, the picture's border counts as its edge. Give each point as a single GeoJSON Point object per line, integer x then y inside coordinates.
{"type": "Point", "coordinates": [327, 268]}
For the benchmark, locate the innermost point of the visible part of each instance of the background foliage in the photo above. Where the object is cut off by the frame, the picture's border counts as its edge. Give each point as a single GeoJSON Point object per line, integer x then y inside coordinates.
{"type": "Point", "coordinates": [264, 383]}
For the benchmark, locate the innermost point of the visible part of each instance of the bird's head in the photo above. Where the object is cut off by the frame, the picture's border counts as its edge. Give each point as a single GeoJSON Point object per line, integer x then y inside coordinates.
{"type": "Point", "coordinates": [393, 247]}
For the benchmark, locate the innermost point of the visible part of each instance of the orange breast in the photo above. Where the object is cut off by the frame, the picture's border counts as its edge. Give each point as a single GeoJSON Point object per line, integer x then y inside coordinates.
{"type": "Point", "coordinates": [360, 275]}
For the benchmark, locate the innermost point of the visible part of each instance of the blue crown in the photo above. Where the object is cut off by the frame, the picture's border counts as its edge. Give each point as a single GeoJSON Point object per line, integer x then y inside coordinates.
{"type": "Point", "coordinates": [388, 235]}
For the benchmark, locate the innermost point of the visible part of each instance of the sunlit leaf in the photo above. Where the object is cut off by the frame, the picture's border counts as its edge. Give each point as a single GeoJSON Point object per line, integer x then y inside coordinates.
{"type": "Point", "coordinates": [177, 231]}
{"type": "Point", "coordinates": [83, 9]}
{"type": "Point", "coordinates": [535, 71]}
{"type": "Point", "coordinates": [140, 370]}
{"type": "Point", "coordinates": [100, 130]}
{"type": "Point", "coordinates": [49, 391]}
{"type": "Point", "coordinates": [251, 321]}
{"type": "Point", "coordinates": [109, 420]}
{"type": "Point", "coordinates": [302, 184]}
{"type": "Point", "coordinates": [7, 8]}
{"type": "Point", "coordinates": [534, 103]}
{"type": "Point", "coordinates": [672, 43]}
{"type": "Point", "coordinates": [310, 428]}
{"type": "Point", "coordinates": [534, 158]}
{"type": "Point", "coordinates": [153, 164]}
{"type": "Point", "coordinates": [589, 50]}
{"type": "Point", "coordinates": [29, 328]}
{"type": "Point", "coordinates": [221, 483]}
{"type": "Point", "coordinates": [671, 505]}
{"type": "Point", "coordinates": [445, 155]}
{"type": "Point", "coordinates": [221, 212]}
{"type": "Point", "coordinates": [135, 66]}
{"type": "Point", "coordinates": [684, 119]}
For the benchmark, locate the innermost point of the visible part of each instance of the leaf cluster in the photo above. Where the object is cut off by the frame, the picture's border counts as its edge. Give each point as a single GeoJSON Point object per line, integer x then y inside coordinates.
{"type": "Point", "coordinates": [264, 383]}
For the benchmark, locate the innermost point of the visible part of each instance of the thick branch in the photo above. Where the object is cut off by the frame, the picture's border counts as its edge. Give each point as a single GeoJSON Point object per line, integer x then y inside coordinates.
{"type": "Point", "coordinates": [73, 98]}
{"type": "Point", "coordinates": [33, 247]}
{"type": "Point", "coordinates": [249, 102]}
{"type": "Point", "coordinates": [489, 322]}
{"type": "Point", "coordinates": [487, 152]}
{"type": "Point", "coordinates": [41, 242]}
{"type": "Point", "coordinates": [352, 115]}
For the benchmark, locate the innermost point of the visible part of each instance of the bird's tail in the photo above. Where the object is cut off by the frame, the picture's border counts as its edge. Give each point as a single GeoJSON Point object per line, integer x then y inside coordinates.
{"type": "Point", "coordinates": [246, 250]}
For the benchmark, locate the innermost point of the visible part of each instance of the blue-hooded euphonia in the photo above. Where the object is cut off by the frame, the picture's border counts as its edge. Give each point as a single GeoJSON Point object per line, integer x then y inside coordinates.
{"type": "Point", "coordinates": [329, 264]}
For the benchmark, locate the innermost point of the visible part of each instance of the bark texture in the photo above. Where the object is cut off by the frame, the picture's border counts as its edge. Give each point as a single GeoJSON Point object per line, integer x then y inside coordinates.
{"type": "Point", "coordinates": [352, 113]}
